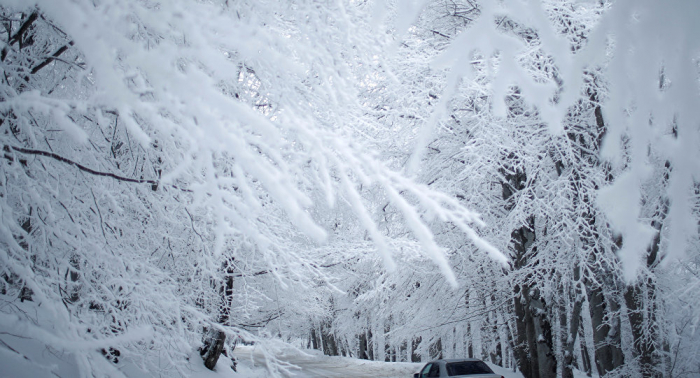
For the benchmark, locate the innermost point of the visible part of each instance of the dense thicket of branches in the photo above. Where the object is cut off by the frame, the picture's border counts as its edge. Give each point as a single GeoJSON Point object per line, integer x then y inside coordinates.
{"type": "Point", "coordinates": [572, 175]}
{"type": "Point", "coordinates": [396, 181]}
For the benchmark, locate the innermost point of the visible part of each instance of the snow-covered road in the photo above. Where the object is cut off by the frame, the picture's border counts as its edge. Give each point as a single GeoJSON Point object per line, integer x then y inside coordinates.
{"type": "Point", "coordinates": [314, 365]}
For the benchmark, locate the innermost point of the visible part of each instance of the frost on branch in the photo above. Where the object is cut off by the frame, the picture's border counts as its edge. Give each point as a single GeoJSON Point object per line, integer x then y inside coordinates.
{"type": "Point", "coordinates": [544, 50]}
{"type": "Point", "coordinates": [145, 149]}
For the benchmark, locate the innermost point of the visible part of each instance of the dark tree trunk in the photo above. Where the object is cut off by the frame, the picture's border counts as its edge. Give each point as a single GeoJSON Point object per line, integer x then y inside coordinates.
{"type": "Point", "coordinates": [640, 299]}
{"type": "Point", "coordinates": [342, 348]}
{"type": "Point", "coordinates": [470, 347]}
{"type": "Point", "coordinates": [571, 332]}
{"type": "Point", "coordinates": [547, 364]}
{"type": "Point", "coordinates": [214, 339]}
{"type": "Point", "coordinates": [414, 346]}
{"type": "Point", "coordinates": [26, 293]}
{"type": "Point", "coordinates": [533, 351]}
{"type": "Point", "coordinates": [330, 347]}
{"type": "Point", "coordinates": [436, 350]}
{"type": "Point", "coordinates": [362, 352]}
{"type": "Point", "coordinates": [644, 347]}
{"type": "Point", "coordinates": [531, 342]}
{"type": "Point", "coordinates": [389, 352]}
{"type": "Point", "coordinates": [521, 349]}
{"type": "Point", "coordinates": [585, 357]}
{"type": "Point", "coordinates": [73, 288]}
{"type": "Point", "coordinates": [314, 340]}
{"type": "Point", "coordinates": [370, 345]}
{"type": "Point", "coordinates": [212, 348]}
{"type": "Point", "coordinates": [605, 319]}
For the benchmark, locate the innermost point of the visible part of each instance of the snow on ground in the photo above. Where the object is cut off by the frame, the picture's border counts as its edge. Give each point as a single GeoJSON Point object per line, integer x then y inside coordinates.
{"type": "Point", "coordinates": [23, 356]}
{"type": "Point", "coordinates": [311, 364]}
{"type": "Point", "coordinates": [27, 358]}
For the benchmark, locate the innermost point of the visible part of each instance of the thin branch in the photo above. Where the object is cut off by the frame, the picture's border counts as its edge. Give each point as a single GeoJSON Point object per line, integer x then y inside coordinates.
{"type": "Point", "coordinates": [52, 155]}
{"type": "Point", "coordinates": [260, 323]}
{"type": "Point", "coordinates": [54, 27]}
{"type": "Point", "coordinates": [440, 34]}
{"type": "Point", "coordinates": [260, 273]}
{"type": "Point", "coordinates": [52, 58]}
{"type": "Point", "coordinates": [23, 28]}
{"type": "Point", "coordinates": [193, 228]}
{"type": "Point", "coordinates": [100, 214]}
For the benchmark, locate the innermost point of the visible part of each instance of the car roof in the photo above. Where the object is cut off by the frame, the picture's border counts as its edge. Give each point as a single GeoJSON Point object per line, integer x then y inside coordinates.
{"type": "Point", "coordinates": [450, 360]}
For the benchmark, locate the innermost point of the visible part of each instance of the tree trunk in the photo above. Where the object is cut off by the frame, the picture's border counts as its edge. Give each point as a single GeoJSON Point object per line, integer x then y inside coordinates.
{"type": "Point", "coordinates": [503, 338]}
{"type": "Point", "coordinates": [414, 346]}
{"type": "Point", "coordinates": [72, 286]}
{"type": "Point", "coordinates": [435, 350]}
{"type": "Point", "coordinates": [370, 345]}
{"type": "Point", "coordinates": [215, 339]}
{"type": "Point", "coordinates": [533, 351]}
{"type": "Point", "coordinates": [212, 348]}
{"type": "Point", "coordinates": [362, 352]}
{"type": "Point", "coordinates": [387, 348]}
{"type": "Point", "coordinates": [640, 299]}
{"type": "Point", "coordinates": [585, 357]}
{"type": "Point", "coordinates": [605, 319]}
{"type": "Point", "coordinates": [639, 313]}
{"type": "Point", "coordinates": [26, 293]}
{"type": "Point", "coordinates": [547, 364]}
{"type": "Point", "coordinates": [330, 347]}
{"type": "Point", "coordinates": [521, 349]}
{"type": "Point", "coordinates": [314, 340]}
{"type": "Point", "coordinates": [571, 332]}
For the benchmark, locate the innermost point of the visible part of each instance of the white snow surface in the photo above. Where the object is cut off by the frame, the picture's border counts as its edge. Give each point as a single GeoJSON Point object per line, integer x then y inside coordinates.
{"type": "Point", "coordinates": [29, 358]}
{"type": "Point", "coordinates": [312, 364]}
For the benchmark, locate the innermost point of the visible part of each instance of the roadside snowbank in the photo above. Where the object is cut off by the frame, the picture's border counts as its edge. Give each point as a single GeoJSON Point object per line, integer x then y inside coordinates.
{"type": "Point", "coordinates": [23, 355]}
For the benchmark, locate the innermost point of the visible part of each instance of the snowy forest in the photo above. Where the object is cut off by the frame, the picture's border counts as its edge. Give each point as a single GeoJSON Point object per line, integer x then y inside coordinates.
{"type": "Point", "coordinates": [393, 180]}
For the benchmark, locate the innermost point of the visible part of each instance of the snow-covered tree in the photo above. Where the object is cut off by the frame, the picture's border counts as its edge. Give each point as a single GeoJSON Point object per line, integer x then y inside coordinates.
{"type": "Point", "coordinates": [155, 166]}
{"type": "Point", "coordinates": [179, 174]}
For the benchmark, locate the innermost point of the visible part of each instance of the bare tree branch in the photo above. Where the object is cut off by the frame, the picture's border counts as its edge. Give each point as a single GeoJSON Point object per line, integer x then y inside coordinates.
{"type": "Point", "coordinates": [51, 58]}
{"type": "Point", "coordinates": [54, 156]}
{"type": "Point", "coordinates": [30, 20]}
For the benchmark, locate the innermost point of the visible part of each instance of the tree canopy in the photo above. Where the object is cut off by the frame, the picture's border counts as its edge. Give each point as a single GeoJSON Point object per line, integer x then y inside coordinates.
{"type": "Point", "coordinates": [515, 181]}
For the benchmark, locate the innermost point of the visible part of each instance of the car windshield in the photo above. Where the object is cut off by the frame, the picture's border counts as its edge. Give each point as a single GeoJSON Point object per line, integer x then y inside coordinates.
{"type": "Point", "coordinates": [467, 368]}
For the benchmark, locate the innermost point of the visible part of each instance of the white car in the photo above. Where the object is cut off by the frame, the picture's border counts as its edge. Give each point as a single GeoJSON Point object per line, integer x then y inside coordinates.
{"type": "Point", "coordinates": [457, 368]}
